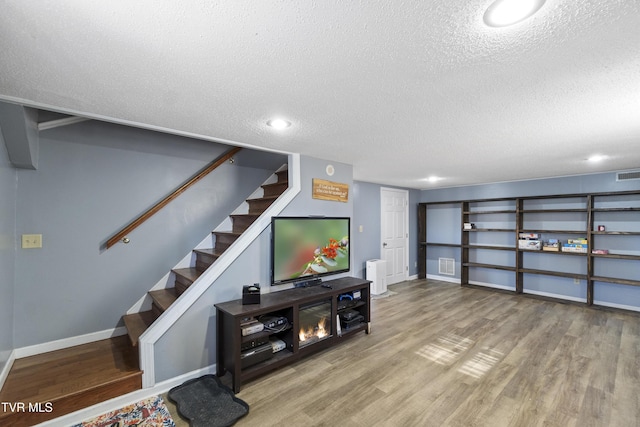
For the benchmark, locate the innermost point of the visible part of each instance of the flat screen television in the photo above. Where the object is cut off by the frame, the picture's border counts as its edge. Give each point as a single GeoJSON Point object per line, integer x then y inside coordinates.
{"type": "Point", "coordinates": [305, 248]}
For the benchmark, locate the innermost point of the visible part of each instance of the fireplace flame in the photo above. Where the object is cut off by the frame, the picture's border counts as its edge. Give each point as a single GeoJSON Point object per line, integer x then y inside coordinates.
{"type": "Point", "coordinates": [319, 331]}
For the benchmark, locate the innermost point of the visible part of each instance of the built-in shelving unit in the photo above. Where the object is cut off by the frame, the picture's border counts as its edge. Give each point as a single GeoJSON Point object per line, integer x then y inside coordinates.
{"type": "Point", "coordinates": [606, 220]}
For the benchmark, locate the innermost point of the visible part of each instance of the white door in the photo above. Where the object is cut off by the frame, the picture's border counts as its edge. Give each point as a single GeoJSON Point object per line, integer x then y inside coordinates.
{"type": "Point", "coordinates": [394, 214]}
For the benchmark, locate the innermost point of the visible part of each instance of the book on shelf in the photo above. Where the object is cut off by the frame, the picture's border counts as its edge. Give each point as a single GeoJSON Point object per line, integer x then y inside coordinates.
{"type": "Point", "coordinates": [575, 248]}
{"type": "Point", "coordinates": [581, 241]}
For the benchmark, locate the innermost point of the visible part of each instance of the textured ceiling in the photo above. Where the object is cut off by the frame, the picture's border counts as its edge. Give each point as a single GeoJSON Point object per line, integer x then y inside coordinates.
{"type": "Point", "coordinates": [401, 90]}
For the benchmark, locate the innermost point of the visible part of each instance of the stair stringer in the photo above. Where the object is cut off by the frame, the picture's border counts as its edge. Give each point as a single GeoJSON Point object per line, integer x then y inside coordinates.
{"type": "Point", "coordinates": [162, 324]}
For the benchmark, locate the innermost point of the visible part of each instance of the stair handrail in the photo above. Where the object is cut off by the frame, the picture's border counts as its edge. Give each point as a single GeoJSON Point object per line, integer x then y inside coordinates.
{"type": "Point", "coordinates": [121, 235]}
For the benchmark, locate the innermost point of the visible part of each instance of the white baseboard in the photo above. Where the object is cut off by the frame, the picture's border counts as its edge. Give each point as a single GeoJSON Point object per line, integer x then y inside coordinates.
{"type": "Point", "coordinates": [413, 277]}
{"type": "Point", "coordinates": [615, 305]}
{"type": "Point", "coordinates": [127, 399]}
{"type": "Point", "coordinates": [7, 367]}
{"type": "Point", "coordinates": [539, 293]}
{"type": "Point", "coordinates": [443, 278]}
{"type": "Point", "coordinates": [492, 285]}
{"type": "Point", "coordinates": [552, 295]}
{"type": "Point", "coordinates": [32, 350]}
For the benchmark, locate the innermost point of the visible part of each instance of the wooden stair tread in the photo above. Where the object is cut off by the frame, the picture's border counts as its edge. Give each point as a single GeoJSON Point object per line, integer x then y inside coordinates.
{"type": "Point", "coordinates": [137, 323]}
{"type": "Point", "coordinates": [163, 298]}
{"type": "Point", "coordinates": [262, 198]}
{"type": "Point", "coordinates": [209, 252]}
{"type": "Point", "coordinates": [206, 251]}
{"type": "Point", "coordinates": [189, 273]}
{"type": "Point", "coordinates": [253, 216]}
{"type": "Point", "coordinates": [228, 233]}
{"type": "Point", "coordinates": [284, 184]}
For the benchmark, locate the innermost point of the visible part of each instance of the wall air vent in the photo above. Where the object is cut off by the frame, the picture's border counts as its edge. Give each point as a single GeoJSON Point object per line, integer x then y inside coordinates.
{"type": "Point", "coordinates": [446, 266]}
{"type": "Point", "coordinates": [625, 176]}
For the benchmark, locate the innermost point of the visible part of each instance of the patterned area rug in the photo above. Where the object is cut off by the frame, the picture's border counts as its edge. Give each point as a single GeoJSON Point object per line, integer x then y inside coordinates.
{"type": "Point", "coordinates": [151, 412]}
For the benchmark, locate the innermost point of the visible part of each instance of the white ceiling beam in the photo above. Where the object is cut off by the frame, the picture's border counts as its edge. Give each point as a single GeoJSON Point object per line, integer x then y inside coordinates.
{"type": "Point", "coordinates": [20, 134]}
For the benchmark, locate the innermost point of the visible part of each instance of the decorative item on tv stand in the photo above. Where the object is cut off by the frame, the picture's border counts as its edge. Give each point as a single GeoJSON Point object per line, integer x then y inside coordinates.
{"type": "Point", "coordinates": [251, 294]}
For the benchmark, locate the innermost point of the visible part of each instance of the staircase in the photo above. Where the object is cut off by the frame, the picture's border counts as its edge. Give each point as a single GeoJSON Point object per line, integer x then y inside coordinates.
{"type": "Point", "coordinates": [137, 323]}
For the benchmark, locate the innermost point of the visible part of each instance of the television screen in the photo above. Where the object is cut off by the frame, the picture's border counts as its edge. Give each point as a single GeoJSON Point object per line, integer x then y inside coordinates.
{"type": "Point", "coordinates": [307, 247]}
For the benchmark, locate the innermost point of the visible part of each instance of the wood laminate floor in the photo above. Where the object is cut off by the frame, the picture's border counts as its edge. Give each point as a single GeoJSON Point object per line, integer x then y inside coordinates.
{"type": "Point", "coordinates": [443, 355]}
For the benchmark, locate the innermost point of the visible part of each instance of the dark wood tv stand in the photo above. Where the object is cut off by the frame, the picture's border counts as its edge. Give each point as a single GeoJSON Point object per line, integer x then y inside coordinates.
{"type": "Point", "coordinates": [287, 303]}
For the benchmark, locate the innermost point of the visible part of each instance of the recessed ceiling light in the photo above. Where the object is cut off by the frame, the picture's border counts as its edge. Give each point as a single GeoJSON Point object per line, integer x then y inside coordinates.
{"type": "Point", "coordinates": [596, 158]}
{"type": "Point", "coordinates": [433, 179]}
{"type": "Point", "coordinates": [502, 13]}
{"type": "Point", "coordinates": [278, 124]}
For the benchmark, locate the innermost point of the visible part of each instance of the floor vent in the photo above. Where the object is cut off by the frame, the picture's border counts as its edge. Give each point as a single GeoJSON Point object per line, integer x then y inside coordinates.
{"type": "Point", "coordinates": [625, 176]}
{"type": "Point", "coordinates": [446, 266]}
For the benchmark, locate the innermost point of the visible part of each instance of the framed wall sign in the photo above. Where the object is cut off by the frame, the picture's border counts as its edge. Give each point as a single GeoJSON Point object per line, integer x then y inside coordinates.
{"type": "Point", "coordinates": [328, 190]}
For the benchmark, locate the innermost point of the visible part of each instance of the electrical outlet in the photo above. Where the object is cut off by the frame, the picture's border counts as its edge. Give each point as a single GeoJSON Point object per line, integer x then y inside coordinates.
{"type": "Point", "coordinates": [31, 241]}
{"type": "Point", "coordinates": [576, 281]}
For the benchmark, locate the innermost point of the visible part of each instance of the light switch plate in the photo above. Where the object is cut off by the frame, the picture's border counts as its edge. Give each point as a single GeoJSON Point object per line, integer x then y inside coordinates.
{"type": "Point", "coordinates": [31, 241]}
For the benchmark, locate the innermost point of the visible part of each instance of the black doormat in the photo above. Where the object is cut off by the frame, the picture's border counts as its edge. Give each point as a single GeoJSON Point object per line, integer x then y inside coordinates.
{"type": "Point", "coordinates": [206, 402]}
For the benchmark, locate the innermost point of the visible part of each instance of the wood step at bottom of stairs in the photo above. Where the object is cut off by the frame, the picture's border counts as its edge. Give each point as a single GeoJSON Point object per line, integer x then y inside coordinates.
{"type": "Point", "coordinates": [137, 323]}
{"type": "Point", "coordinates": [69, 380]}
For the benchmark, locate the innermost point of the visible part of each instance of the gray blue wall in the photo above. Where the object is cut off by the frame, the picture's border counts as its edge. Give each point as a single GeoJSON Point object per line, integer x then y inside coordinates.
{"type": "Point", "coordinates": [366, 212]}
{"type": "Point", "coordinates": [443, 226]}
{"type": "Point", "coordinates": [8, 189]}
{"type": "Point", "coordinates": [93, 178]}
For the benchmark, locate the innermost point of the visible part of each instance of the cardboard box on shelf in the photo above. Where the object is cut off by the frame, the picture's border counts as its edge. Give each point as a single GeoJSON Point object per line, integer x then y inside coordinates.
{"type": "Point", "coordinates": [529, 245]}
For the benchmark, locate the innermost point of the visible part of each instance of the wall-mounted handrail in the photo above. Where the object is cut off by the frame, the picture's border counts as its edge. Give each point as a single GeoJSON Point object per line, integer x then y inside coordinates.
{"type": "Point", "coordinates": [149, 213]}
